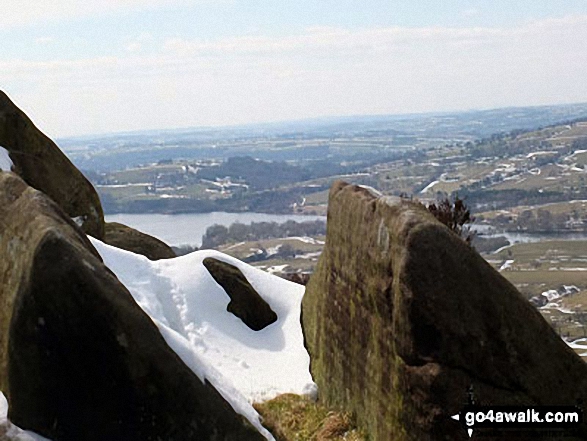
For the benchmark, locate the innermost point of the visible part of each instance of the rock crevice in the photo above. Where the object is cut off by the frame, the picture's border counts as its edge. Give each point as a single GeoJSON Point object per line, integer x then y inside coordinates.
{"type": "Point", "coordinates": [43, 166]}
{"type": "Point", "coordinates": [79, 359]}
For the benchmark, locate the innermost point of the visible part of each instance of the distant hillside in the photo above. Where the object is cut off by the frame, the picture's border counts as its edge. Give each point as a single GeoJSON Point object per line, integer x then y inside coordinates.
{"type": "Point", "coordinates": [309, 139]}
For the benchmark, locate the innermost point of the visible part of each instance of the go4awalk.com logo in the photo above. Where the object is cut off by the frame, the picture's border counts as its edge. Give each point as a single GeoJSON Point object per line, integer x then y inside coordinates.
{"type": "Point", "coordinates": [516, 417]}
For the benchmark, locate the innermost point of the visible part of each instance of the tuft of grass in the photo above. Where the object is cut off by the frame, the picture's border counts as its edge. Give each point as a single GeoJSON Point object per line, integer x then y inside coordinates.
{"type": "Point", "coordinates": [295, 418]}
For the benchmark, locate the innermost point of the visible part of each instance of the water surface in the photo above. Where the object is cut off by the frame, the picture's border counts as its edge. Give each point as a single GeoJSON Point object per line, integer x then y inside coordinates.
{"type": "Point", "coordinates": [188, 229]}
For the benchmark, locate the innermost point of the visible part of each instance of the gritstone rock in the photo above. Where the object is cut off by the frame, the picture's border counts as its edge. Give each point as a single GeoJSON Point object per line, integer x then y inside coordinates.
{"type": "Point", "coordinates": [402, 317]}
{"type": "Point", "coordinates": [43, 166]}
{"type": "Point", "coordinates": [79, 359]}
{"type": "Point", "coordinates": [127, 238]}
{"type": "Point", "coordinates": [245, 302]}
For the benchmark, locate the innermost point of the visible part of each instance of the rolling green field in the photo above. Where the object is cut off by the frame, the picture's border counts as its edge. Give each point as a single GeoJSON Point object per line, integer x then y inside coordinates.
{"type": "Point", "coordinates": [551, 266]}
{"type": "Point", "coordinates": [541, 266]}
{"type": "Point", "coordinates": [306, 253]}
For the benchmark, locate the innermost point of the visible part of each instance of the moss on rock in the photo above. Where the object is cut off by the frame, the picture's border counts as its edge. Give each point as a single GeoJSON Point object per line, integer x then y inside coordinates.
{"type": "Point", "coordinates": [401, 317]}
{"type": "Point", "coordinates": [79, 359]}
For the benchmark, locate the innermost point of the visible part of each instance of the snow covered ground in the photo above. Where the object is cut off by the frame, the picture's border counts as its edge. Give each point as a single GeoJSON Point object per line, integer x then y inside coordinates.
{"type": "Point", "coordinates": [189, 308]}
{"type": "Point", "coordinates": [576, 345]}
{"type": "Point", "coordinates": [507, 264]}
{"type": "Point", "coordinates": [9, 431]}
{"type": "Point", "coordinates": [429, 186]}
{"type": "Point", "coordinates": [306, 239]}
{"type": "Point", "coordinates": [5, 161]}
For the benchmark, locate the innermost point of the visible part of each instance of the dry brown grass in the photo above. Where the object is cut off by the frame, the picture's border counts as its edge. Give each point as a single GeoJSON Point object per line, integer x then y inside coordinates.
{"type": "Point", "coordinates": [294, 418]}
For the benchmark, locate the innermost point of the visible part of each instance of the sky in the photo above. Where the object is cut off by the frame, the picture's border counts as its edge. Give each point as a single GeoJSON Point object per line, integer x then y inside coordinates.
{"type": "Point", "coordinates": [78, 67]}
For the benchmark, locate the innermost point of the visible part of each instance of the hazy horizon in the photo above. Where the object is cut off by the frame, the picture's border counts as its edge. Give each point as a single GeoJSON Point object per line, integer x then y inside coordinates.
{"type": "Point", "coordinates": [122, 66]}
{"type": "Point", "coordinates": [319, 120]}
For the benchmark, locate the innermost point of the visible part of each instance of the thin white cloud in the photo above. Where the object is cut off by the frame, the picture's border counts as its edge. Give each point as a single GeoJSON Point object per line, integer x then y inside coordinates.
{"type": "Point", "coordinates": [138, 43]}
{"type": "Point", "coordinates": [323, 71]}
{"type": "Point", "coordinates": [334, 41]}
{"type": "Point", "coordinates": [25, 12]}
{"type": "Point", "coordinates": [470, 13]}
{"type": "Point", "coordinates": [45, 40]}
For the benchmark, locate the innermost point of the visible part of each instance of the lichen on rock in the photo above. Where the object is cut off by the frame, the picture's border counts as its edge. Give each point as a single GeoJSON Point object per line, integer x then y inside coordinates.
{"type": "Point", "coordinates": [79, 359]}
{"type": "Point", "coordinates": [43, 166]}
{"type": "Point", "coordinates": [402, 317]}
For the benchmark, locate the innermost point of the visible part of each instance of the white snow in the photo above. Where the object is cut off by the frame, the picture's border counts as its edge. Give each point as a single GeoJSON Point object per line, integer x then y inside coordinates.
{"type": "Point", "coordinates": [429, 186]}
{"type": "Point", "coordinates": [307, 239]}
{"type": "Point", "coordinates": [506, 265]}
{"type": "Point", "coordinates": [79, 220]}
{"type": "Point", "coordinates": [277, 268]}
{"type": "Point", "coordinates": [235, 245]}
{"type": "Point", "coordinates": [373, 191]}
{"type": "Point", "coordinates": [9, 431]}
{"type": "Point", "coordinates": [577, 152]}
{"type": "Point", "coordinates": [189, 308]}
{"type": "Point", "coordinates": [137, 184]}
{"type": "Point", "coordinates": [309, 255]}
{"type": "Point", "coordinates": [575, 344]}
{"type": "Point", "coordinates": [6, 163]}
{"type": "Point", "coordinates": [530, 155]}
{"type": "Point", "coordinates": [273, 250]}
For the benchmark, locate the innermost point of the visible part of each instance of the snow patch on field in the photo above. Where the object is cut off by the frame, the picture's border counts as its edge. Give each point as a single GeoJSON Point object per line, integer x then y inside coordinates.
{"type": "Point", "coordinates": [507, 264]}
{"type": "Point", "coordinates": [236, 245]}
{"type": "Point", "coordinates": [577, 152]}
{"type": "Point", "coordinates": [575, 344]}
{"type": "Point", "coordinates": [531, 155]}
{"type": "Point", "coordinates": [306, 239]}
{"type": "Point", "coordinates": [277, 268]}
{"type": "Point", "coordinates": [429, 186]}
{"type": "Point", "coordinates": [310, 255]}
{"type": "Point", "coordinates": [189, 308]}
{"type": "Point", "coordinates": [136, 184]}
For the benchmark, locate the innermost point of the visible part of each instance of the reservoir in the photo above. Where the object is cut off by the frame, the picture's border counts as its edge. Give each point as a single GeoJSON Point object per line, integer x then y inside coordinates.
{"type": "Point", "coordinates": [189, 228]}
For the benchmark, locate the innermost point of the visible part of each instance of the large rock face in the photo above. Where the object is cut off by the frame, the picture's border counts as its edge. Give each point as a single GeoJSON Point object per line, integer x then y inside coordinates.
{"type": "Point", "coordinates": [79, 359]}
{"type": "Point", "coordinates": [43, 166]}
{"type": "Point", "coordinates": [127, 238]}
{"type": "Point", "coordinates": [402, 317]}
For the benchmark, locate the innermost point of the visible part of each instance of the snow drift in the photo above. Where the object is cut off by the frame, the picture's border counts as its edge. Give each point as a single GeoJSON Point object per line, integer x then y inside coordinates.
{"type": "Point", "coordinates": [190, 310]}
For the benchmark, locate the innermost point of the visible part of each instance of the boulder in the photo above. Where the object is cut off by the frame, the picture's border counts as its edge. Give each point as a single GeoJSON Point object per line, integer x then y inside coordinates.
{"type": "Point", "coordinates": [245, 302]}
{"type": "Point", "coordinates": [79, 359]}
{"type": "Point", "coordinates": [127, 238]}
{"type": "Point", "coordinates": [43, 166]}
{"type": "Point", "coordinates": [299, 278]}
{"type": "Point", "coordinates": [402, 318]}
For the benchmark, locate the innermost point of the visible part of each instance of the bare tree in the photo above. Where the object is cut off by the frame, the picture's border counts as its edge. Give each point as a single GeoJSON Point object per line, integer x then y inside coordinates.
{"type": "Point", "coordinates": [455, 215]}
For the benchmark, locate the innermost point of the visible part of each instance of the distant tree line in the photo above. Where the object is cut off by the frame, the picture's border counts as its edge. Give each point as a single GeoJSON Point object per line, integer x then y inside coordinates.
{"type": "Point", "coordinates": [489, 244]}
{"type": "Point", "coordinates": [509, 144]}
{"type": "Point", "coordinates": [217, 235]}
{"type": "Point", "coordinates": [277, 201]}
{"type": "Point", "coordinates": [500, 199]}
{"type": "Point", "coordinates": [542, 221]}
{"type": "Point", "coordinates": [286, 252]}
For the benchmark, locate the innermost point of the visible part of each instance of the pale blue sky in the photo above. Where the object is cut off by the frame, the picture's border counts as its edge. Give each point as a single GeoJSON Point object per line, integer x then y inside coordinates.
{"type": "Point", "coordinates": [113, 65]}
